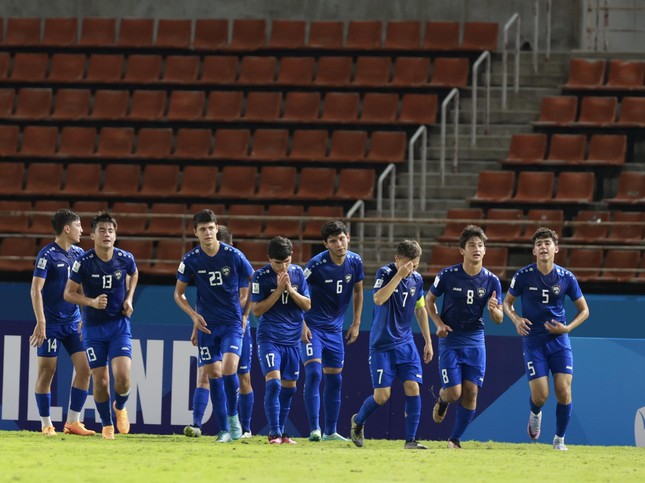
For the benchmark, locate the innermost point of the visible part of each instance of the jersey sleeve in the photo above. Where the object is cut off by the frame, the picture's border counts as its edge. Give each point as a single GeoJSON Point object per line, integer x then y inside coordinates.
{"type": "Point", "coordinates": [438, 286]}
{"type": "Point", "coordinates": [245, 270]}
{"type": "Point", "coordinates": [573, 290]}
{"type": "Point", "coordinates": [42, 264]}
{"type": "Point", "coordinates": [132, 264]}
{"type": "Point", "coordinates": [497, 286]}
{"type": "Point", "coordinates": [359, 272]}
{"type": "Point", "coordinates": [258, 290]}
{"type": "Point", "coordinates": [184, 271]}
{"type": "Point", "coordinates": [381, 278]}
{"type": "Point", "coordinates": [76, 274]}
{"type": "Point", "coordinates": [515, 288]}
{"type": "Point", "coordinates": [303, 286]}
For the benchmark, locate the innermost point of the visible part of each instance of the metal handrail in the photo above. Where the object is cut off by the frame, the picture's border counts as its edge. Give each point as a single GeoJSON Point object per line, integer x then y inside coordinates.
{"type": "Point", "coordinates": [423, 133]}
{"type": "Point", "coordinates": [389, 171]}
{"type": "Point", "coordinates": [442, 157]}
{"type": "Point", "coordinates": [360, 207]}
{"type": "Point", "coordinates": [507, 27]}
{"type": "Point", "coordinates": [473, 122]}
{"type": "Point", "coordinates": [536, 34]}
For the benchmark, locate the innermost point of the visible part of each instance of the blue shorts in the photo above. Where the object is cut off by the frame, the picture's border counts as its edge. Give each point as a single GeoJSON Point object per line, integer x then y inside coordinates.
{"type": "Point", "coordinates": [55, 334]}
{"type": "Point", "coordinates": [278, 357]}
{"type": "Point", "coordinates": [542, 356]}
{"type": "Point", "coordinates": [105, 341]}
{"type": "Point", "coordinates": [403, 362]}
{"type": "Point", "coordinates": [223, 338]}
{"type": "Point", "coordinates": [327, 346]}
{"type": "Point", "coordinates": [247, 352]}
{"type": "Point", "coordinates": [466, 363]}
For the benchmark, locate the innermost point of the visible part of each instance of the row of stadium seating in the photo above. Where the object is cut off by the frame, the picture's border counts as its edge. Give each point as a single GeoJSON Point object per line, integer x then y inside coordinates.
{"type": "Point", "coordinates": [222, 107]}
{"type": "Point", "coordinates": [599, 76]}
{"type": "Point", "coordinates": [595, 112]}
{"type": "Point", "coordinates": [191, 70]}
{"type": "Point", "coordinates": [247, 34]}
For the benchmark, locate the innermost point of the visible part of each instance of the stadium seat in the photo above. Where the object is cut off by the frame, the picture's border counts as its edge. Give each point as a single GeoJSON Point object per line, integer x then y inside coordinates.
{"type": "Point", "coordinates": [43, 179]}
{"type": "Point", "coordinates": [597, 111]}
{"type": "Point", "coordinates": [450, 72]}
{"type": "Point", "coordinates": [620, 265]}
{"type": "Point", "coordinates": [301, 253]}
{"type": "Point", "coordinates": [115, 142]}
{"type": "Point", "coordinates": [39, 141]}
{"type": "Point", "coordinates": [41, 222]}
{"type": "Point", "coordinates": [387, 147]}
{"type": "Point", "coordinates": [159, 180]}
{"type": "Point", "coordinates": [67, 68]}
{"type": "Point", "coordinates": [347, 146]}
{"type": "Point", "coordinates": [193, 143]}
{"type": "Point", "coordinates": [82, 179]}
{"type": "Point", "coordinates": [154, 143]}
{"type": "Point", "coordinates": [567, 149]}
{"type": "Point", "coordinates": [71, 104]}
{"type": "Point", "coordinates": [496, 260]}
{"type": "Point", "coordinates": [172, 225]}
{"type": "Point", "coordinates": [210, 33]}
{"type": "Point", "coordinates": [245, 228]}
{"type": "Point", "coordinates": [296, 71]}
{"type": "Point", "coordinates": [224, 106]}
{"type": "Point", "coordinates": [98, 32]}
{"type": "Point", "coordinates": [480, 36]}
{"type": "Point", "coordinates": [595, 228]}
{"type": "Point", "coordinates": [237, 182]}
{"type": "Point", "coordinates": [504, 232]}
{"type": "Point", "coordinates": [534, 187]}
{"type": "Point", "coordinates": [231, 143]}
{"type": "Point", "coordinates": [173, 33]}
{"type": "Point", "coordinates": [585, 263]}
{"type": "Point", "coordinates": [147, 105]}
{"type": "Point", "coordinates": [270, 145]}
{"type": "Point", "coordinates": [6, 102]}
{"type": "Point", "coordinates": [121, 180]}
{"type": "Point", "coordinates": [301, 106]}
{"type": "Point", "coordinates": [14, 222]}
{"type": "Point", "coordinates": [136, 32]}
{"type": "Point", "coordinates": [526, 149]}
{"type": "Point", "coordinates": [33, 103]}
{"type": "Point", "coordinates": [282, 226]}
{"type": "Point", "coordinates": [575, 187]}
{"type": "Point", "coordinates": [325, 34]}
{"type": "Point", "coordinates": [380, 108]}
{"type": "Point", "coordinates": [311, 229]}
{"type": "Point", "coordinates": [168, 255]}
{"type": "Point", "coordinates": [626, 74]}
{"type": "Point", "coordinates": [4, 65]}
{"type": "Point", "coordinates": [455, 225]}
{"type": "Point", "coordinates": [494, 186]}
{"type": "Point", "coordinates": [403, 35]}
{"type": "Point", "coordinates": [277, 182]}
{"type": "Point", "coordinates": [257, 70]}
{"type": "Point", "coordinates": [630, 229]}
{"type": "Point", "coordinates": [263, 106]}
{"type": "Point", "coordinates": [586, 74]}
{"type": "Point", "coordinates": [110, 105]}
{"type": "Point", "coordinates": [632, 112]}
{"type": "Point", "coordinates": [287, 34]}
{"type": "Point", "coordinates": [441, 36]}
{"type": "Point", "coordinates": [22, 31]}
{"type": "Point", "coordinates": [334, 71]}
{"type": "Point", "coordinates": [9, 136]}
{"type": "Point", "coordinates": [607, 150]}
{"type": "Point", "coordinates": [356, 184]}
{"type": "Point", "coordinates": [316, 184]}
{"type": "Point", "coordinates": [631, 188]}
{"type": "Point", "coordinates": [181, 69]}
{"type": "Point", "coordinates": [198, 182]}
{"type": "Point", "coordinates": [23, 250]}
{"type": "Point", "coordinates": [411, 71]}
{"type": "Point", "coordinates": [131, 217]}
{"type": "Point", "coordinates": [364, 34]}
{"type": "Point", "coordinates": [60, 32]}
{"type": "Point", "coordinates": [141, 250]}
{"type": "Point", "coordinates": [29, 67]}
{"type": "Point", "coordinates": [372, 71]}
{"type": "Point", "coordinates": [559, 110]}
{"type": "Point", "coordinates": [340, 107]}
{"type": "Point", "coordinates": [255, 252]}
{"type": "Point", "coordinates": [143, 69]}
{"type": "Point", "coordinates": [11, 181]}
{"type": "Point", "coordinates": [219, 69]}
{"type": "Point", "coordinates": [442, 257]}
{"type": "Point", "coordinates": [77, 141]}
{"type": "Point", "coordinates": [248, 34]}
{"type": "Point", "coordinates": [419, 109]}
{"type": "Point", "coordinates": [105, 68]}
{"type": "Point", "coordinates": [186, 105]}
{"type": "Point", "coordinates": [308, 145]}
{"type": "Point", "coordinates": [537, 218]}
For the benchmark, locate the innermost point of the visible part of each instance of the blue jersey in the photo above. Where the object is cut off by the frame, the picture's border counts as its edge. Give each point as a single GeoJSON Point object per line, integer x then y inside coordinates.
{"type": "Point", "coordinates": [465, 298]}
{"type": "Point", "coordinates": [282, 323]}
{"type": "Point", "coordinates": [543, 296]}
{"type": "Point", "coordinates": [331, 289]}
{"type": "Point", "coordinates": [392, 321]}
{"type": "Point", "coordinates": [54, 265]}
{"type": "Point", "coordinates": [218, 279]}
{"type": "Point", "coordinates": [98, 277]}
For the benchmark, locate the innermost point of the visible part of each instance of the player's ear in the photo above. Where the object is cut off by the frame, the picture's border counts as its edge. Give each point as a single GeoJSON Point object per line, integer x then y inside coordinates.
{"type": "Point", "coordinates": [557, 249]}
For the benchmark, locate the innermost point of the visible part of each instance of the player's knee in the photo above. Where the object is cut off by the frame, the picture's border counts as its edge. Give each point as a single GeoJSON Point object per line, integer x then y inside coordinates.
{"type": "Point", "coordinates": [245, 383]}
{"type": "Point", "coordinates": [451, 394]}
{"type": "Point", "coordinates": [313, 372]}
{"type": "Point", "coordinates": [563, 394]}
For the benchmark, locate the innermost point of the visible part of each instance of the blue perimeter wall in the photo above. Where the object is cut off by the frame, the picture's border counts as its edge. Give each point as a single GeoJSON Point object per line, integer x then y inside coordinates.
{"type": "Point", "coordinates": [608, 388]}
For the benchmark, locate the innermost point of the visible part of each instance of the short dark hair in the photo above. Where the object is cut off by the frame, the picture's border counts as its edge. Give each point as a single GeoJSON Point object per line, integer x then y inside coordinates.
{"type": "Point", "coordinates": [279, 248]}
{"type": "Point", "coordinates": [102, 217]}
{"type": "Point", "coordinates": [204, 216]}
{"type": "Point", "coordinates": [471, 231]}
{"type": "Point", "coordinates": [62, 218]}
{"type": "Point", "coordinates": [224, 234]}
{"type": "Point", "coordinates": [408, 249]}
{"type": "Point", "coordinates": [544, 232]}
{"type": "Point", "coordinates": [333, 228]}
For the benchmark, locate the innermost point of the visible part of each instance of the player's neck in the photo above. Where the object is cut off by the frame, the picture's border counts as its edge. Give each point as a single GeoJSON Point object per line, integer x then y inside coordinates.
{"type": "Point", "coordinates": [104, 253]}
{"type": "Point", "coordinates": [211, 250]}
{"type": "Point", "coordinates": [545, 267]}
{"type": "Point", "coordinates": [336, 259]}
{"type": "Point", "coordinates": [63, 242]}
{"type": "Point", "coordinates": [471, 269]}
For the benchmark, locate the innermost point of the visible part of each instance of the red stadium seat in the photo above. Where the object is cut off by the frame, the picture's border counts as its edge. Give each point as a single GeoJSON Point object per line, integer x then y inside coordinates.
{"type": "Point", "coordinates": [494, 186]}
{"type": "Point", "coordinates": [270, 145]}
{"type": "Point", "coordinates": [9, 140]}
{"type": "Point", "coordinates": [43, 179]}
{"type": "Point", "coordinates": [33, 103]}
{"type": "Point", "coordinates": [411, 71]}
{"type": "Point", "coordinates": [247, 228]}
{"type": "Point", "coordinates": [72, 104]}
{"type": "Point", "coordinates": [585, 263]}
{"type": "Point", "coordinates": [325, 34]}
{"type": "Point", "coordinates": [302, 106]}
{"type": "Point", "coordinates": [121, 180]}
{"type": "Point", "coordinates": [141, 250]}
{"type": "Point", "coordinates": [594, 229]}
{"type": "Point", "coordinates": [455, 226]}
{"type": "Point", "coordinates": [296, 71]}
{"type": "Point", "coordinates": [632, 112]}
{"type": "Point", "coordinates": [225, 105]}
{"type": "Point", "coordinates": [173, 33]}
{"type": "Point", "coordinates": [277, 182]}
{"type": "Point", "coordinates": [282, 226]}
{"type": "Point", "coordinates": [77, 141]}
{"type": "Point", "coordinates": [193, 143]}
{"type": "Point", "coordinates": [257, 70]}
{"type": "Point", "coordinates": [364, 34]}
{"type": "Point", "coordinates": [630, 228]}
{"type": "Point", "coordinates": [620, 265]}
{"type": "Point", "coordinates": [442, 257]}
{"type": "Point", "coordinates": [608, 149]}
{"type": "Point", "coordinates": [586, 74]}
{"type": "Point", "coordinates": [496, 260]}
{"type": "Point", "coordinates": [82, 179]}
{"type": "Point", "coordinates": [11, 181]}
{"type": "Point", "coordinates": [248, 34]}
{"type": "Point", "coordinates": [198, 181]}
{"type": "Point", "coordinates": [442, 36]}
{"type": "Point", "coordinates": [504, 232]}
{"type": "Point", "coordinates": [287, 34]}
{"type": "Point", "coordinates": [41, 222]}
{"type": "Point", "coordinates": [316, 184]}
{"type": "Point", "coordinates": [347, 146]}
{"type": "Point", "coordinates": [29, 67]}
{"type": "Point", "coordinates": [219, 69]}
{"type": "Point", "coordinates": [14, 222]}
{"type": "Point", "coordinates": [403, 34]}
{"type": "Point", "coordinates": [159, 181]}
{"type": "Point", "coordinates": [372, 71]}
{"type": "Point", "coordinates": [168, 255]}
{"type": "Point", "coordinates": [480, 36]}
{"type": "Point", "coordinates": [334, 71]}
{"type": "Point", "coordinates": [450, 72]}
{"type": "Point", "coordinates": [98, 32]}
{"type": "Point", "coordinates": [115, 142]}
{"type": "Point", "coordinates": [263, 106]}
{"type": "Point", "coordinates": [534, 187]}
{"type": "Point", "coordinates": [23, 31]}
{"type": "Point", "coordinates": [308, 145]}
{"type": "Point", "coordinates": [558, 110]}
{"type": "Point", "coordinates": [536, 218]}
{"type": "Point", "coordinates": [147, 105]}
{"type": "Point", "coordinates": [631, 188]}
{"type": "Point", "coordinates": [387, 147]}
{"type": "Point", "coordinates": [231, 143]}
{"type": "Point", "coordinates": [526, 149]}
{"type": "Point", "coordinates": [136, 32]}
{"type": "Point", "coordinates": [131, 217]}
{"type": "Point", "coordinates": [67, 68]}
{"type": "Point", "coordinates": [419, 109]}
{"type": "Point", "coordinates": [210, 33]}
{"type": "Point", "coordinates": [380, 107]}
{"type": "Point", "coordinates": [110, 105]}
{"type": "Point", "coordinates": [143, 69]}
{"type": "Point", "coordinates": [172, 225]}
{"type": "Point", "coordinates": [625, 74]}
{"type": "Point", "coordinates": [105, 68]}
{"type": "Point", "coordinates": [238, 182]}
{"type": "Point", "coordinates": [39, 140]}
{"type": "Point", "coordinates": [312, 227]}
{"type": "Point", "coordinates": [598, 111]}
{"type": "Point", "coordinates": [181, 69]}
{"type": "Point", "coordinates": [154, 143]}
{"type": "Point", "coordinates": [567, 149]}
{"type": "Point", "coordinates": [186, 105]}
{"type": "Point", "coordinates": [575, 187]}
{"type": "Point", "coordinates": [22, 252]}
{"type": "Point", "coordinates": [340, 107]}
{"type": "Point", "coordinates": [60, 32]}
{"type": "Point", "coordinates": [356, 184]}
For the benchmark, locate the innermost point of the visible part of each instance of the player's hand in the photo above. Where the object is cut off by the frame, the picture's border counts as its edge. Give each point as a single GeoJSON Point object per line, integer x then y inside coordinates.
{"type": "Point", "coordinates": [99, 302]}
{"type": "Point", "coordinates": [352, 334]}
{"type": "Point", "coordinates": [523, 326]}
{"type": "Point", "coordinates": [406, 269]}
{"type": "Point", "coordinates": [306, 334]}
{"type": "Point", "coordinates": [428, 353]}
{"type": "Point", "coordinates": [200, 324]}
{"type": "Point", "coordinates": [193, 337]}
{"type": "Point", "coordinates": [38, 336]}
{"type": "Point", "coordinates": [555, 327]}
{"type": "Point", "coordinates": [493, 303]}
{"type": "Point", "coordinates": [127, 308]}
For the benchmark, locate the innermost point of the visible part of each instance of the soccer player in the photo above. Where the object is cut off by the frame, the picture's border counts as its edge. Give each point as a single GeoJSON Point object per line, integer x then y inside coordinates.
{"type": "Point", "coordinates": [398, 295]}
{"type": "Point", "coordinates": [335, 278]}
{"type": "Point", "coordinates": [280, 297]}
{"type": "Point", "coordinates": [57, 322]}
{"type": "Point", "coordinates": [221, 275]}
{"type": "Point", "coordinates": [545, 331]}
{"type": "Point", "coordinates": [467, 288]}
{"type": "Point", "coordinates": [202, 391]}
{"type": "Point", "coordinates": [109, 278]}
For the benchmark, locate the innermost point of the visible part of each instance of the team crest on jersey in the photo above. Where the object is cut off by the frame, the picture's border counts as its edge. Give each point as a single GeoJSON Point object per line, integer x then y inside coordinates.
{"type": "Point", "coordinates": [118, 274]}
{"type": "Point", "coordinates": [556, 289]}
{"type": "Point", "coordinates": [481, 292]}
{"type": "Point", "coordinates": [348, 278]}
{"type": "Point", "coordinates": [42, 263]}
{"type": "Point", "coordinates": [226, 271]}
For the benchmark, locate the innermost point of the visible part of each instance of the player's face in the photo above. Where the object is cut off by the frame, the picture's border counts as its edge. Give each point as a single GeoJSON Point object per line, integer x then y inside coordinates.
{"type": "Point", "coordinates": [337, 244]}
{"type": "Point", "coordinates": [206, 233]}
{"type": "Point", "coordinates": [104, 235]}
{"type": "Point", "coordinates": [545, 249]}
{"type": "Point", "coordinates": [74, 230]}
{"type": "Point", "coordinates": [280, 266]}
{"type": "Point", "coordinates": [474, 250]}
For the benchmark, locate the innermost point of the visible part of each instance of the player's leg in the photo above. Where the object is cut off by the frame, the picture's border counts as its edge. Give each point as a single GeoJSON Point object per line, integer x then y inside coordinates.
{"type": "Point", "coordinates": [450, 373]}
{"type": "Point", "coordinates": [270, 358]}
{"type": "Point", "coordinates": [561, 364]}
{"type": "Point", "coordinates": [537, 372]}
{"type": "Point", "coordinates": [289, 371]}
{"type": "Point", "coordinates": [409, 370]}
{"type": "Point", "coordinates": [46, 371]}
{"type": "Point", "coordinates": [200, 403]}
{"type": "Point", "coordinates": [230, 361]}
{"type": "Point", "coordinates": [96, 350]}
{"type": "Point", "coordinates": [120, 352]}
{"type": "Point", "coordinates": [246, 390]}
{"type": "Point", "coordinates": [78, 396]}
{"type": "Point", "coordinates": [333, 361]}
{"type": "Point", "coordinates": [213, 370]}
{"type": "Point", "coordinates": [311, 355]}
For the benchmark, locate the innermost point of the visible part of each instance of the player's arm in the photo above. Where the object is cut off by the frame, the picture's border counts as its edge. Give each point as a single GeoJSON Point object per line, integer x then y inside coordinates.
{"type": "Point", "coordinates": [128, 306]}
{"type": "Point", "coordinates": [301, 301]}
{"type": "Point", "coordinates": [433, 313]}
{"type": "Point", "coordinates": [383, 294]}
{"type": "Point", "coordinates": [180, 299]}
{"type": "Point", "coordinates": [522, 325]}
{"type": "Point", "coordinates": [263, 306]}
{"type": "Point", "coordinates": [38, 336]}
{"type": "Point", "coordinates": [245, 303]}
{"type": "Point", "coordinates": [357, 305]}
{"type": "Point", "coordinates": [556, 327]}
{"type": "Point", "coordinates": [422, 318]}
{"type": "Point", "coordinates": [73, 295]}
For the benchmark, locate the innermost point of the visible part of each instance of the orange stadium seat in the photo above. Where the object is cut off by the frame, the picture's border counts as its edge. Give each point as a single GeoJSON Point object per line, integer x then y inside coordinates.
{"type": "Point", "coordinates": [39, 140]}
{"type": "Point", "coordinates": [334, 71]}
{"type": "Point", "coordinates": [186, 105]}
{"type": "Point", "coordinates": [43, 179]}
{"type": "Point", "coordinates": [4, 64]}
{"type": "Point", "coordinates": [72, 104]}
{"type": "Point", "coordinates": [77, 141]}
{"type": "Point", "coordinates": [296, 71]}
{"type": "Point", "coordinates": [181, 69]}
{"type": "Point", "coordinates": [480, 36]}
{"type": "Point", "coordinates": [598, 111]}
{"type": "Point", "coordinates": [23, 31]}
{"type": "Point", "coordinates": [442, 36]}
{"type": "Point", "coordinates": [567, 148]}
{"type": "Point", "coordinates": [364, 34]}
{"type": "Point", "coordinates": [631, 228]}
{"type": "Point", "coordinates": [379, 107]}
{"type": "Point", "coordinates": [193, 143]}
{"type": "Point", "coordinates": [198, 181]}
{"type": "Point", "coordinates": [526, 149]}
{"type": "Point", "coordinates": [173, 33]}
{"type": "Point", "coordinates": [121, 180]}
{"type": "Point", "coordinates": [131, 217]}
{"type": "Point", "coordinates": [23, 250]}
{"type": "Point", "coordinates": [534, 187]}
{"type": "Point", "coordinates": [219, 69]}
{"type": "Point", "coordinates": [9, 140]}
{"type": "Point", "coordinates": [210, 33]}
{"type": "Point", "coordinates": [311, 229]}
{"type": "Point", "coordinates": [325, 34]}
{"type": "Point", "coordinates": [558, 110]}
{"type": "Point", "coordinates": [270, 144]}
{"type": "Point", "coordinates": [403, 34]}
{"type": "Point", "coordinates": [231, 143]}
{"type": "Point", "coordinates": [105, 68]}
{"type": "Point", "coordinates": [494, 186]}
{"type": "Point", "coordinates": [6, 102]}
{"type": "Point", "coordinates": [419, 109]}
{"type": "Point", "coordinates": [411, 71]}
{"type": "Point", "coordinates": [626, 74]}
{"type": "Point", "coordinates": [631, 188]}
{"type": "Point", "coordinates": [575, 187]}
{"type": "Point", "coordinates": [620, 265]}
{"type": "Point", "coordinates": [257, 70]}
{"type": "Point", "coordinates": [154, 143]}
{"type": "Point", "coordinates": [308, 145]}
{"type": "Point", "coordinates": [255, 252]}
{"type": "Point", "coordinates": [147, 105]}
{"type": "Point", "coordinates": [356, 184]}
{"type": "Point", "coordinates": [11, 181]}
{"type": "Point", "coordinates": [143, 69]}
{"type": "Point", "coordinates": [282, 226]}
{"type": "Point", "coordinates": [277, 182]}
{"type": "Point", "coordinates": [442, 257]}
{"type": "Point", "coordinates": [287, 34]}
{"type": "Point", "coordinates": [387, 147]}
{"type": "Point", "coordinates": [496, 260]}
{"type": "Point", "coordinates": [347, 146]}
{"type": "Point", "coordinates": [632, 112]}
{"type": "Point", "coordinates": [340, 107]}
{"type": "Point", "coordinates": [372, 71]}
{"type": "Point", "coordinates": [224, 105]}
{"type": "Point", "coordinates": [585, 263]}
{"type": "Point", "coordinates": [115, 142]}
{"type": "Point", "coordinates": [237, 182]}
{"type": "Point", "coordinates": [136, 32]}
{"type": "Point", "coordinates": [301, 106]}
{"type": "Point", "coordinates": [159, 180]}
{"type": "Point", "coordinates": [594, 229]}
{"type": "Point", "coordinates": [173, 224]}
{"type": "Point", "coordinates": [141, 250]}
{"type": "Point", "coordinates": [505, 232]}
{"type": "Point", "coordinates": [110, 105]}
{"type": "Point", "coordinates": [60, 32]}
{"type": "Point", "coordinates": [33, 103]}
{"type": "Point", "coordinates": [169, 253]}
{"type": "Point", "coordinates": [316, 184]}
{"type": "Point", "coordinates": [29, 67]}
{"type": "Point", "coordinates": [455, 225]}
{"type": "Point", "coordinates": [41, 223]}
{"type": "Point", "coordinates": [586, 74]}
{"type": "Point", "coordinates": [450, 72]}
{"type": "Point", "coordinates": [608, 149]}
{"type": "Point", "coordinates": [82, 179]}
{"type": "Point", "coordinates": [98, 32]}
{"type": "Point", "coordinates": [14, 222]}
{"type": "Point", "coordinates": [246, 228]}
{"type": "Point", "coordinates": [67, 68]}
{"type": "Point", "coordinates": [536, 218]}
{"type": "Point", "coordinates": [248, 34]}
{"type": "Point", "coordinates": [263, 106]}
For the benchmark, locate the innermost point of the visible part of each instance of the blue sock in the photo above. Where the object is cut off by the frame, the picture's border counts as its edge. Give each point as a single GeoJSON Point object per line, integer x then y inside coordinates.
{"type": "Point", "coordinates": [105, 412]}
{"type": "Point", "coordinates": [286, 395]}
{"type": "Point", "coordinates": [331, 401]}
{"type": "Point", "coordinates": [232, 388]}
{"type": "Point", "coordinates": [121, 399]}
{"type": "Point", "coordinates": [218, 398]}
{"type": "Point", "coordinates": [412, 416]}
{"type": "Point", "coordinates": [77, 399]}
{"type": "Point", "coordinates": [463, 418]}
{"type": "Point", "coordinates": [200, 402]}
{"type": "Point", "coordinates": [246, 409]}
{"type": "Point", "coordinates": [44, 402]}
{"type": "Point", "coordinates": [313, 374]}
{"type": "Point", "coordinates": [368, 407]}
{"type": "Point", "coordinates": [272, 406]}
{"type": "Point", "coordinates": [534, 408]}
{"type": "Point", "coordinates": [562, 417]}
